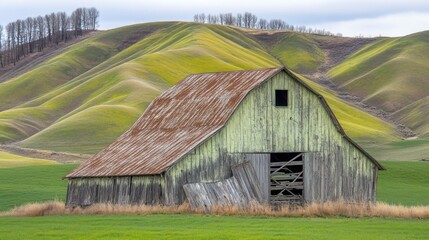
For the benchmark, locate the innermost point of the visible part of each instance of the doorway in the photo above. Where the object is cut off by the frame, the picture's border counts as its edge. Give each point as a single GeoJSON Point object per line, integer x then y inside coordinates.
{"type": "Point", "coordinates": [286, 178]}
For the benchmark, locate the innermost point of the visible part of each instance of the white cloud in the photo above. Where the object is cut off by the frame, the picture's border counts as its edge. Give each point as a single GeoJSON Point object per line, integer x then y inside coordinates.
{"type": "Point", "coordinates": [399, 24]}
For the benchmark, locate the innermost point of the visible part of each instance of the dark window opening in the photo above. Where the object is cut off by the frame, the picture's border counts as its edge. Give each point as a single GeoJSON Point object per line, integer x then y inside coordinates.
{"type": "Point", "coordinates": [281, 98]}
{"type": "Point", "coordinates": [286, 178]}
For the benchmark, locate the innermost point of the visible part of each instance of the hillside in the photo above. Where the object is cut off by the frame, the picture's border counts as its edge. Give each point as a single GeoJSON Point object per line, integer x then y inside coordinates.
{"type": "Point", "coordinates": [8, 160]}
{"type": "Point", "coordinates": [87, 111]}
{"type": "Point", "coordinates": [28, 110]}
{"type": "Point", "coordinates": [391, 73]}
{"type": "Point", "coordinates": [98, 87]}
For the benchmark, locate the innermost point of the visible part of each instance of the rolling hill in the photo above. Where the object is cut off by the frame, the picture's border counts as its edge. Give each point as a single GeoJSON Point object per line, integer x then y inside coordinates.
{"type": "Point", "coordinates": [391, 73]}
{"type": "Point", "coordinates": [85, 97]}
{"type": "Point", "coordinates": [87, 112]}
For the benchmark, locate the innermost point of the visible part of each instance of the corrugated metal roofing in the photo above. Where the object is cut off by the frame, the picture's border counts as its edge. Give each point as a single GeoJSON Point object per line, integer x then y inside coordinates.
{"type": "Point", "coordinates": [175, 123]}
{"type": "Point", "coordinates": [180, 119]}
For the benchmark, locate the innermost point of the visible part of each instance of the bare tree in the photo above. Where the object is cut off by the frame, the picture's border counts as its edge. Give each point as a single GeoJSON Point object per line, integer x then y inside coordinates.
{"type": "Point", "coordinates": [302, 29]}
{"type": "Point", "coordinates": [63, 25]}
{"type": "Point", "coordinates": [11, 41]}
{"type": "Point", "coordinates": [23, 37]}
{"type": "Point", "coordinates": [229, 19]}
{"type": "Point", "coordinates": [213, 19]}
{"type": "Point", "coordinates": [93, 15]}
{"type": "Point", "coordinates": [246, 19]}
{"type": "Point", "coordinates": [77, 21]}
{"type": "Point", "coordinates": [1, 46]}
{"type": "Point", "coordinates": [253, 21]}
{"type": "Point", "coordinates": [249, 20]}
{"type": "Point", "coordinates": [19, 39]}
{"type": "Point", "coordinates": [222, 18]}
{"type": "Point", "coordinates": [41, 30]}
{"type": "Point", "coordinates": [1, 37]}
{"type": "Point", "coordinates": [29, 32]}
{"type": "Point", "coordinates": [202, 18]}
{"type": "Point", "coordinates": [55, 26]}
{"type": "Point", "coordinates": [48, 27]}
{"type": "Point", "coordinates": [277, 24]}
{"type": "Point", "coordinates": [85, 19]}
{"type": "Point", "coordinates": [263, 24]}
{"type": "Point", "coordinates": [239, 21]}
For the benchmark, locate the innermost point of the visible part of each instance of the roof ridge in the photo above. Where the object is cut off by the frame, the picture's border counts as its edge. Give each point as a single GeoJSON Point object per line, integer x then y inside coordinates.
{"type": "Point", "coordinates": [240, 70]}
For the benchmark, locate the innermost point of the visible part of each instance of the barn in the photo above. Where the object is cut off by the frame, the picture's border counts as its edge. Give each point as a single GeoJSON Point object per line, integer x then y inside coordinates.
{"type": "Point", "coordinates": [266, 123]}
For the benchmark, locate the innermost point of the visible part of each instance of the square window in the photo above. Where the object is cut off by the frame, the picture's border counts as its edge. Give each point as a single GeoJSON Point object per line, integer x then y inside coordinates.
{"type": "Point", "coordinates": [281, 98]}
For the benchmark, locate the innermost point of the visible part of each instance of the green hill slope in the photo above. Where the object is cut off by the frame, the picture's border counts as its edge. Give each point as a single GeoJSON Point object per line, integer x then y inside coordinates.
{"type": "Point", "coordinates": [9, 160]}
{"type": "Point", "coordinates": [361, 126]}
{"type": "Point", "coordinates": [112, 95]}
{"type": "Point", "coordinates": [36, 102]}
{"type": "Point", "coordinates": [298, 52]}
{"type": "Point", "coordinates": [391, 73]}
{"type": "Point", "coordinates": [416, 116]}
{"type": "Point", "coordinates": [90, 108]}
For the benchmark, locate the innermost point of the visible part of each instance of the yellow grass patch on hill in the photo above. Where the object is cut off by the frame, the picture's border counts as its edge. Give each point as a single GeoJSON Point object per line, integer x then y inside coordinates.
{"type": "Point", "coordinates": [8, 160]}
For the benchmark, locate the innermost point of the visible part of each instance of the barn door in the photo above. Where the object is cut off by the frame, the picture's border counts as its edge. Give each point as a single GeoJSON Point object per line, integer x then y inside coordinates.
{"type": "Point", "coordinates": [261, 162]}
{"type": "Point", "coordinates": [286, 178]}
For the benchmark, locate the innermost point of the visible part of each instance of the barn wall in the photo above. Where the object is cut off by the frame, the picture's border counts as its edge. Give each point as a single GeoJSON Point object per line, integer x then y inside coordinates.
{"type": "Point", "coordinates": [335, 170]}
{"type": "Point", "coordinates": [327, 177]}
{"type": "Point", "coordinates": [117, 190]}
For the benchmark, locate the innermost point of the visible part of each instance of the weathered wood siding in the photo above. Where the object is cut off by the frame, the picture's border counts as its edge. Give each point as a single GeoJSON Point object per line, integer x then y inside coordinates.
{"type": "Point", "coordinates": [329, 177]}
{"type": "Point", "coordinates": [335, 170]}
{"type": "Point", "coordinates": [116, 190]}
{"type": "Point", "coordinates": [261, 164]}
{"type": "Point", "coordinates": [240, 190]}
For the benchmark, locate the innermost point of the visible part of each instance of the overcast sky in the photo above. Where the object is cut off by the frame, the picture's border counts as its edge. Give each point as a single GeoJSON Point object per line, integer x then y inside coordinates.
{"type": "Point", "coordinates": [352, 18]}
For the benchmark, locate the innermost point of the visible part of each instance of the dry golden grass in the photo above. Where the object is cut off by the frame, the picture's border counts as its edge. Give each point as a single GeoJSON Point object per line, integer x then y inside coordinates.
{"type": "Point", "coordinates": [328, 209]}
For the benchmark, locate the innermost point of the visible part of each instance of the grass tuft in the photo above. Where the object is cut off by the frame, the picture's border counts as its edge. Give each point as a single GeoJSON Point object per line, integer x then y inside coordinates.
{"type": "Point", "coordinates": [327, 209]}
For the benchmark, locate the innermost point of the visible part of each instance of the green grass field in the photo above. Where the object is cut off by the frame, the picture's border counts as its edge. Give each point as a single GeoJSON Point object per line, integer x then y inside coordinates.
{"type": "Point", "coordinates": [403, 183]}
{"type": "Point", "coordinates": [208, 227]}
{"type": "Point", "coordinates": [32, 184]}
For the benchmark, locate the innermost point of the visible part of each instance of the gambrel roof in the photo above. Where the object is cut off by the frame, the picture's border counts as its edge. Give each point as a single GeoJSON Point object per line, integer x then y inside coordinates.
{"type": "Point", "coordinates": [179, 120]}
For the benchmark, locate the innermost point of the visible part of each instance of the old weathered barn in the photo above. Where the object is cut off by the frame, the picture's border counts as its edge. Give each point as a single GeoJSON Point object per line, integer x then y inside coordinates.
{"type": "Point", "coordinates": [198, 130]}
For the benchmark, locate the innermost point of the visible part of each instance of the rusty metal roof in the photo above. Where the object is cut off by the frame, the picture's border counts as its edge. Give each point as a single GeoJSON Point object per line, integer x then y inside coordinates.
{"type": "Point", "coordinates": [174, 123]}
{"type": "Point", "coordinates": [179, 120]}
